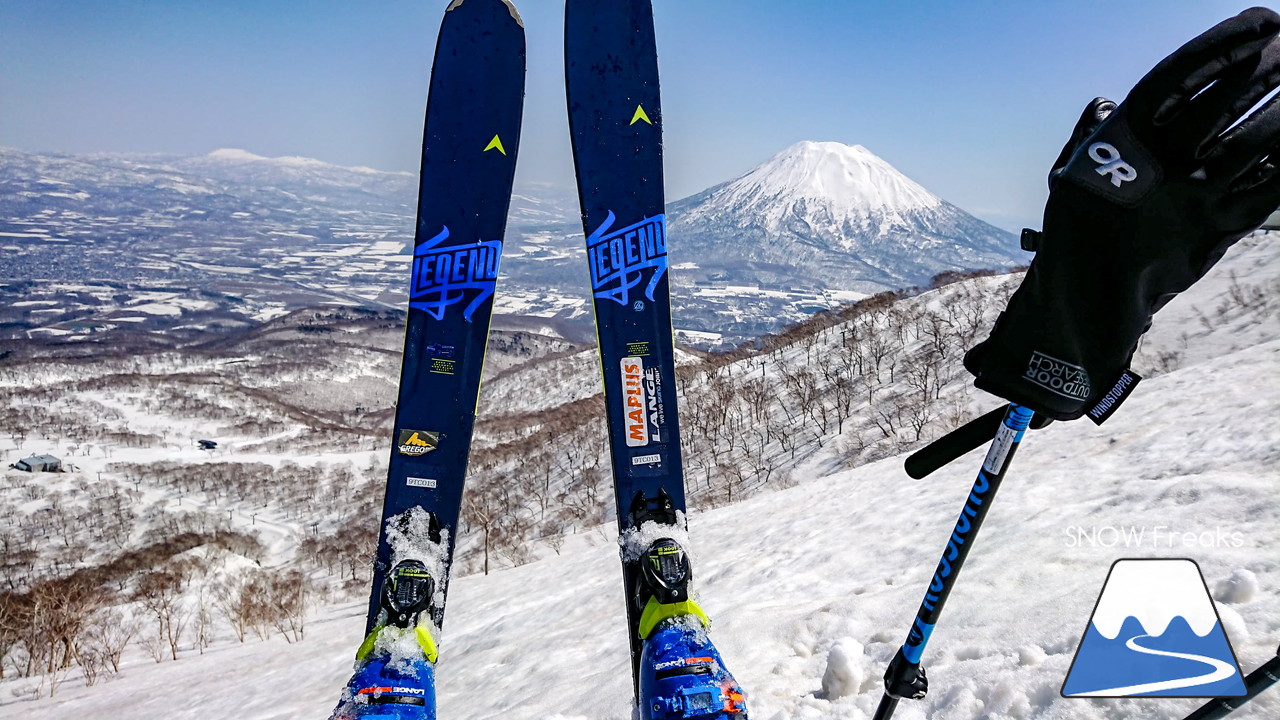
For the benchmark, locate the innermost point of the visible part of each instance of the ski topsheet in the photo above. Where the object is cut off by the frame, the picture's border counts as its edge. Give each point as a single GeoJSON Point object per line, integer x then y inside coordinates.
{"type": "Point", "coordinates": [615, 122]}
{"type": "Point", "coordinates": [468, 166]}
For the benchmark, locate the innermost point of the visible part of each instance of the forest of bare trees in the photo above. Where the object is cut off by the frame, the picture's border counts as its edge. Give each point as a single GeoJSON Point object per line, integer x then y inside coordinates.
{"type": "Point", "coordinates": [168, 554]}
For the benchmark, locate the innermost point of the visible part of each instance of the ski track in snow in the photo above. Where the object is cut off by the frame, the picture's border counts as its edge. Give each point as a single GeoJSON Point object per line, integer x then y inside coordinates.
{"type": "Point", "coordinates": [1221, 670]}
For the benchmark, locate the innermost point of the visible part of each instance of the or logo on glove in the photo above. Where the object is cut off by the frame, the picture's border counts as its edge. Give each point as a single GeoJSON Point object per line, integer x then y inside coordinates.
{"type": "Point", "coordinates": [1108, 156]}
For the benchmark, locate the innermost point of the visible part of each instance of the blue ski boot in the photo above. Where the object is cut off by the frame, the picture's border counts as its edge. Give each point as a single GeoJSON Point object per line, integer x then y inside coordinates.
{"type": "Point", "coordinates": [681, 674]}
{"type": "Point", "coordinates": [395, 666]}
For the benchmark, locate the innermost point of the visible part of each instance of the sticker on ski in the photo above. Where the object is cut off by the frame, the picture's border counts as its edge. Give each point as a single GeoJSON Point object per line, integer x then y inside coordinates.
{"type": "Point", "coordinates": [417, 442]}
{"type": "Point", "coordinates": [634, 401]}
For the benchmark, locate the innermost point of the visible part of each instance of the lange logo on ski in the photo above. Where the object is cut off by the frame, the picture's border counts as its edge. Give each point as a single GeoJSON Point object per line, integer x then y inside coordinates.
{"type": "Point", "coordinates": [657, 414]}
{"type": "Point", "coordinates": [445, 276]}
{"type": "Point", "coordinates": [1054, 375]}
{"type": "Point", "coordinates": [1108, 157]}
{"type": "Point", "coordinates": [417, 442]}
{"type": "Point", "coordinates": [622, 259]}
{"type": "Point", "coordinates": [633, 402]}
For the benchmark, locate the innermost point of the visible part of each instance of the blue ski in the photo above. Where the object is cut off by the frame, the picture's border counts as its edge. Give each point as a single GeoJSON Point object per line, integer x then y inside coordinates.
{"type": "Point", "coordinates": [615, 122]}
{"type": "Point", "coordinates": [469, 149]}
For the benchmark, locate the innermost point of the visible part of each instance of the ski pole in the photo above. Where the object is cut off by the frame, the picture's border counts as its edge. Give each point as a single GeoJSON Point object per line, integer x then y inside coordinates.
{"type": "Point", "coordinates": [1257, 681]}
{"type": "Point", "coordinates": [905, 678]}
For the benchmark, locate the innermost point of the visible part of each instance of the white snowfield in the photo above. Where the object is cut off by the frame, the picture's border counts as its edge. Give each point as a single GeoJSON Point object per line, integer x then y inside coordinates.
{"type": "Point", "coordinates": [812, 588]}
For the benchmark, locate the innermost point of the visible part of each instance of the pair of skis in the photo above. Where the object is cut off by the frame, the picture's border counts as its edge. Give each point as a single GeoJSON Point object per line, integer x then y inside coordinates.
{"type": "Point", "coordinates": [468, 167]}
{"type": "Point", "coordinates": [469, 151]}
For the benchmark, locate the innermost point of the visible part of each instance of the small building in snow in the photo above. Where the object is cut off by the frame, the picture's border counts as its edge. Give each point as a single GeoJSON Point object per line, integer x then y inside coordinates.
{"type": "Point", "coordinates": [38, 463]}
{"type": "Point", "coordinates": [207, 444]}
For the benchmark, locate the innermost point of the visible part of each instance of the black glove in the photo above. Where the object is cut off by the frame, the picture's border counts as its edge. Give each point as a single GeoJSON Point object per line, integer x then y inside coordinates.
{"type": "Point", "coordinates": [1143, 200]}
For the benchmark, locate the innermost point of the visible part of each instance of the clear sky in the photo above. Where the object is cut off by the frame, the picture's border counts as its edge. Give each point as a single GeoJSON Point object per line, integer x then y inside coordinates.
{"type": "Point", "coordinates": [972, 99]}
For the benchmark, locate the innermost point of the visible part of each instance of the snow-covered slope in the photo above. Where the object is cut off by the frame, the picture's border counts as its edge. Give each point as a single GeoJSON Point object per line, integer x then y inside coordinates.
{"type": "Point", "coordinates": [822, 579]}
{"type": "Point", "coordinates": [812, 587]}
{"type": "Point", "coordinates": [825, 214]}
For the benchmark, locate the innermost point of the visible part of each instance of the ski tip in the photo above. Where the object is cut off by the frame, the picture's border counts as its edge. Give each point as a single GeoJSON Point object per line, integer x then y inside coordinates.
{"type": "Point", "coordinates": [515, 14]}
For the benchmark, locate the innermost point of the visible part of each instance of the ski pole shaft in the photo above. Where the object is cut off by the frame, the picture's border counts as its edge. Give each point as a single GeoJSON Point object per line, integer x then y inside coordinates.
{"type": "Point", "coordinates": [888, 704]}
{"type": "Point", "coordinates": [1257, 681]}
{"type": "Point", "coordinates": [905, 678]}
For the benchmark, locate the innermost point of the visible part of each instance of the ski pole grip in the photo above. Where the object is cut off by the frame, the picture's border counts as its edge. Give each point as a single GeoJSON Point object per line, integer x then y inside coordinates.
{"type": "Point", "coordinates": [947, 448]}
{"type": "Point", "coordinates": [963, 439]}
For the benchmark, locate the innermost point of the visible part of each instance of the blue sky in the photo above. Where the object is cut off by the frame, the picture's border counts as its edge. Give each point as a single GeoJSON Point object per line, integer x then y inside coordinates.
{"type": "Point", "coordinates": [971, 99]}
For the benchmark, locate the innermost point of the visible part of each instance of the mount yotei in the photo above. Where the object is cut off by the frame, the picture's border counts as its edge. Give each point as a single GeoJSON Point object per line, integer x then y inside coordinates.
{"type": "Point", "coordinates": [827, 215]}
{"type": "Point", "coordinates": [95, 237]}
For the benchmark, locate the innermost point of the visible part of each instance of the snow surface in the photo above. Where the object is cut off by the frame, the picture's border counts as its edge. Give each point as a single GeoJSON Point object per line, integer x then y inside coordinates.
{"type": "Point", "coordinates": [812, 588]}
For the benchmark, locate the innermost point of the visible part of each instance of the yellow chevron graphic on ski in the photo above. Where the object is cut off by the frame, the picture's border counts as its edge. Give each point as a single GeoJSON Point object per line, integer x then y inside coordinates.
{"type": "Point", "coordinates": [495, 143]}
{"type": "Point", "coordinates": [640, 114]}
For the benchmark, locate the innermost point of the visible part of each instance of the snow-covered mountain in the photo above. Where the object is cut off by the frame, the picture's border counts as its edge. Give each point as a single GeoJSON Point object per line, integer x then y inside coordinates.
{"type": "Point", "coordinates": [825, 214]}
{"type": "Point", "coordinates": [817, 226]}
